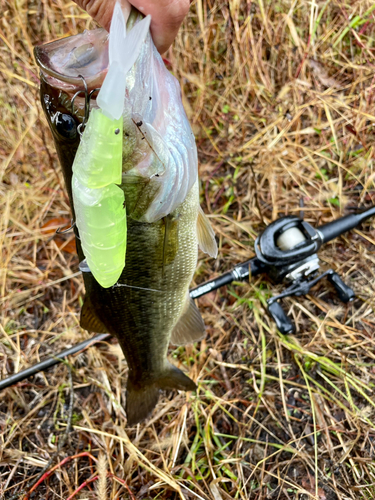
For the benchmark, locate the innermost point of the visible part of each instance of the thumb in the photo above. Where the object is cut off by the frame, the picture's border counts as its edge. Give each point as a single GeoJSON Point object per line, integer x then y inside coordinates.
{"type": "Point", "coordinates": [167, 17]}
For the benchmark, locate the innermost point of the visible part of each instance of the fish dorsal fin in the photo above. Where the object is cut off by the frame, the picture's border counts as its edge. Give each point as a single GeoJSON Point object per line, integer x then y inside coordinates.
{"type": "Point", "coordinates": [190, 327]}
{"type": "Point", "coordinates": [89, 320]}
{"type": "Point", "coordinates": [206, 235]}
{"type": "Point", "coordinates": [124, 50]}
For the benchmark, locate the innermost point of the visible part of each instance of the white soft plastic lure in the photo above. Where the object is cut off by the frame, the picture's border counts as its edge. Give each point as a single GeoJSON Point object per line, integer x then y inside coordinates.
{"type": "Point", "coordinates": [99, 202]}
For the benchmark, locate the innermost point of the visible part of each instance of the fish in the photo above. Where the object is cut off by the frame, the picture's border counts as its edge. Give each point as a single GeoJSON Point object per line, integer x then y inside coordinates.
{"type": "Point", "coordinates": [149, 306]}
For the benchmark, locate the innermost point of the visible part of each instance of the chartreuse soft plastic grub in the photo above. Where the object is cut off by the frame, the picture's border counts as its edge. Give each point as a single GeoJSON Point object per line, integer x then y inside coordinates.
{"type": "Point", "coordinates": [99, 202]}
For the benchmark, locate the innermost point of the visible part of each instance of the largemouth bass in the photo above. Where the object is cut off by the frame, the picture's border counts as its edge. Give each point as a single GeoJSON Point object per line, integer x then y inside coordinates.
{"type": "Point", "coordinates": [149, 306]}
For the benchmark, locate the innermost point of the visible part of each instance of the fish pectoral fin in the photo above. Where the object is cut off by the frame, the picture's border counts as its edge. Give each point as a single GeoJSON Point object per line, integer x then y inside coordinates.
{"type": "Point", "coordinates": [141, 397]}
{"type": "Point", "coordinates": [206, 235]}
{"type": "Point", "coordinates": [89, 320]}
{"type": "Point", "coordinates": [190, 327]}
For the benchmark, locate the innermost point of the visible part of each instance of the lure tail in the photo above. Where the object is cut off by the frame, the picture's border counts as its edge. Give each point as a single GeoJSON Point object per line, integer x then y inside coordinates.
{"type": "Point", "coordinates": [123, 52]}
{"type": "Point", "coordinates": [99, 202]}
{"type": "Point", "coordinates": [141, 397]}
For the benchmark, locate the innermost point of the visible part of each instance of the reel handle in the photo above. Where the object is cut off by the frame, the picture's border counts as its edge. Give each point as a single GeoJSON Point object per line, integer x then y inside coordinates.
{"type": "Point", "coordinates": [283, 323]}
{"type": "Point", "coordinates": [344, 292]}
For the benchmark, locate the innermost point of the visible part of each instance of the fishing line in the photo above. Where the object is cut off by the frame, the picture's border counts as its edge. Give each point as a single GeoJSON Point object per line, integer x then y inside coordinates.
{"type": "Point", "coordinates": [137, 287]}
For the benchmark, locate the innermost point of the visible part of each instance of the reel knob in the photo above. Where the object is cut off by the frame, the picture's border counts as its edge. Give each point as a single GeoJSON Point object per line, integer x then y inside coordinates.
{"type": "Point", "coordinates": [345, 293]}
{"type": "Point", "coordinates": [283, 323]}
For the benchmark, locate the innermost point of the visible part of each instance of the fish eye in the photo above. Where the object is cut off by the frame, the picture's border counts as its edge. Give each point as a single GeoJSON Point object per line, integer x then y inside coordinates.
{"type": "Point", "coordinates": [65, 125]}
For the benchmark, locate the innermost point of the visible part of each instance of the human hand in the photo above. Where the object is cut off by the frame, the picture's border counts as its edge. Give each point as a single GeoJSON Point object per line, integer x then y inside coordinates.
{"type": "Point", "coordinates": [167, 16]}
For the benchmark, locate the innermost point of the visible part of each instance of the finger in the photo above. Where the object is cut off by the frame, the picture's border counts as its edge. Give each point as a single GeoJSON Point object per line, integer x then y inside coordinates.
{"type": "Point", "coordinates": [167, 16]}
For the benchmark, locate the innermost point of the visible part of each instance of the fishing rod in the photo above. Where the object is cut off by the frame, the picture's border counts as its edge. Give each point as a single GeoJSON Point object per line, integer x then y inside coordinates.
{"type": "Point", "coordinates": [286, 251]}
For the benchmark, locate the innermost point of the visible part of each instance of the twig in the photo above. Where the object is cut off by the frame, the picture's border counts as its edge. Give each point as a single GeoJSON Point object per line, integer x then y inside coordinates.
{"type": "Point", "coordinates": [81, 486]}
{"type": "Point", "coordinates": [256, 192]}
{"type": "Point", "coordinates": [123, 482]}
{"type": "Point", "coordinates": [57, 466]}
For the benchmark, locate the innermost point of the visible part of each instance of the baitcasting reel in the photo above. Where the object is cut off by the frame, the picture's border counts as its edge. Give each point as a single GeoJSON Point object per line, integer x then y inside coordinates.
{"type": "Point", "coordinates": [287, 251]}
{"type": "Point", "coordinates": [288, 247]}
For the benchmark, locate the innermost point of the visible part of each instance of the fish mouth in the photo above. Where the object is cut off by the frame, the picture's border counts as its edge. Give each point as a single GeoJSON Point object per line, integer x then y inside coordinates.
{"type": "Point", "coordinates": [66, 62]}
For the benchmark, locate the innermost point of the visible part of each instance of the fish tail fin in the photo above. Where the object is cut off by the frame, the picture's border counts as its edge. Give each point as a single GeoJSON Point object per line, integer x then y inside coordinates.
{"type": "Point", "coordinates": [141, 398]}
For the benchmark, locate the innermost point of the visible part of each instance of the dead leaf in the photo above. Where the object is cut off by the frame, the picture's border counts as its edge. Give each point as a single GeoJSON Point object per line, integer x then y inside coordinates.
{"type": "Point", "coordinates": [68, 246]}
{"type": "Point", "coordinates": [64, 242]}
{"type": "Point", "coordinates": [321, 74]}
{"type": "Point", "coordinates": [309, 485]}
{"type": "Point", "coordinates": [52, 225]}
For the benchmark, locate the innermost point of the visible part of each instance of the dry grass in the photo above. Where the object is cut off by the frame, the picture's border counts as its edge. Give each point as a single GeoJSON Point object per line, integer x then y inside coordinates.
{"type": "Point", "coordinates": [281, 96]}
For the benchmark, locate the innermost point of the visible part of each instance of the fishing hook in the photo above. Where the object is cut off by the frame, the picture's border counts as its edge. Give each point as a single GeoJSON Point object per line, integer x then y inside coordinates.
{"type": "Point", "coordinates": [88, 96]}
{"type": "Point", "coordinates": [64, 231]}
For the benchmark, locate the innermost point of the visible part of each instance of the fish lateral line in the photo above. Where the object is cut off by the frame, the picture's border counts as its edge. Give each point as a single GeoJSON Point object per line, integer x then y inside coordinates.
{"type": "Point", "coordinates": [167, 225]}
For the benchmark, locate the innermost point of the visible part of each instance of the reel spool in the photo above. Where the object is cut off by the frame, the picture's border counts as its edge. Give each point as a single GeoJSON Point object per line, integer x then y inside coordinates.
{"type": "Point", "coordinates": [290, 239]}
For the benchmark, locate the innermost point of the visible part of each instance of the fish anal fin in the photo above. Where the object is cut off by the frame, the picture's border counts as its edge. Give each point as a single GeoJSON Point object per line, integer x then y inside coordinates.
{"type": "Point", "coordinates": [190, 327]}
{"type": "Point", "coordinates": [89, 320]}
{"type": "Point", "coordinates": [206, 235]}
{"type": "Point", "coordinates": [141, 397]}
